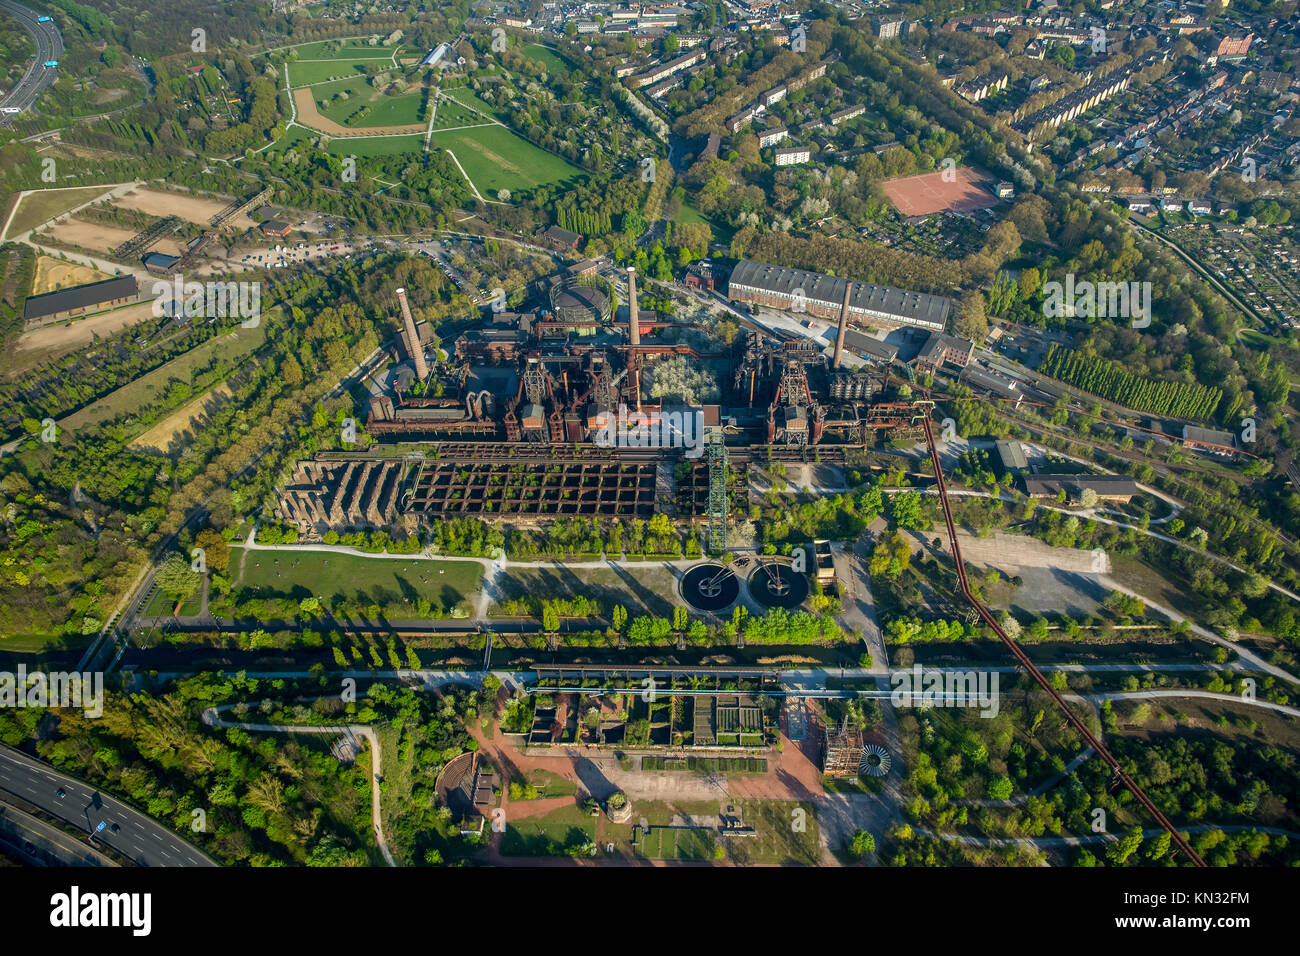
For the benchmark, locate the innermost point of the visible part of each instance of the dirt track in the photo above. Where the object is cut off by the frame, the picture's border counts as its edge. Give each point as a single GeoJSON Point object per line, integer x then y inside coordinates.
{"type": "Point", "coordinates": [310, 117]}
{"type": "Point", "coordinates": [61, 337]}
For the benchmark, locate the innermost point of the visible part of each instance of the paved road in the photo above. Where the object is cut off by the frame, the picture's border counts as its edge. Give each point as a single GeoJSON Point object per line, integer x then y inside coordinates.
{"type": "Point", "coordinates": [36, 843]}
{"type": "Point", "coordinates": [139, 838]}
{"type": "Point", "coordinates": [49, 46]}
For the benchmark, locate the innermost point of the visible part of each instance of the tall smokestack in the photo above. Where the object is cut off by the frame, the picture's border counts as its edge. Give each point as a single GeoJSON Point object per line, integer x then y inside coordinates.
{"type": "Point", "coordinates": [844, 325]}
{"type": "Point", "coordinates": [633, 318]}
{"type": "Point", "coordinates": [633, 334]}
{"type": "Point", "coordinates": [412, 338]}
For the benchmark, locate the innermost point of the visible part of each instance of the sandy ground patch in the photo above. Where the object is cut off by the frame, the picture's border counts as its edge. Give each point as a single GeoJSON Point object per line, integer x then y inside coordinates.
{"type": "Point", "coordinates": [103, 238]}
{"type": "Point", "coordinates": [309, 116]}
{"type": "Point", "coordinates": [62, 337]}
{"type": "Point", "coordinates": [52, 274]}
{"type": "Point", "coordinates": [160, 437]}
{"type": "Point", "coordinates": [196, 209]}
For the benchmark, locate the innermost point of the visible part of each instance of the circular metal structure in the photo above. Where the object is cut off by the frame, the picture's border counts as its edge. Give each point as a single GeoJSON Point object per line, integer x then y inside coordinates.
{"type": "Point", "coordinates": [582, 299]}
{"type": "Point", "coordinates": [710, 587]}
{"type": "Point", "coordinates": [876, 761]}
{"type": "Point", "coordinates": [775, 585]}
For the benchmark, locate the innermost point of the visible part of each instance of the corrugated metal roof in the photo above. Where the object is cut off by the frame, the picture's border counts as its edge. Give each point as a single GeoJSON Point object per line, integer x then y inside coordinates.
{"type": "Point", "coordinates": [80, 297]}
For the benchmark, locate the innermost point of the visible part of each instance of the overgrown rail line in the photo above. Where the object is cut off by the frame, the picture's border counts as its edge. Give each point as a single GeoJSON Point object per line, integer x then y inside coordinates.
{"type": "Point", "coordinates": [987, 616]}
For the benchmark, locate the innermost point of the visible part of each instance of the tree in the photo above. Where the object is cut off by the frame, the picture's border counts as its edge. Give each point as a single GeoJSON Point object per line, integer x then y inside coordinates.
{"type": "Point", "coordinates": [216, 552]}
{"type": "Point", "coordinates": [1000, 788]}
{"type": "Point", "coordinates": [550, 617]}
{"type": "Point", "coordinates": [176, 577]}
{"type": "Point", "coordinates": [1119, 851]}
{"type": "Point", "coordinates": [863, 843]}
{"type": "Point", "coordinates": [1088, 497]}
{"type": "Point", "coordinates": [619, 617]}
{"type": "Point", "coordinates": [680, 618]}
{"type": "Point", "coordinates": [973, 322]}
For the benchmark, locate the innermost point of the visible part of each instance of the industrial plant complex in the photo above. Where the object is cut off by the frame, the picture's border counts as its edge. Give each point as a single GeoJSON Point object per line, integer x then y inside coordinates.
{"type": "Point", "coordinates": [548, 413]}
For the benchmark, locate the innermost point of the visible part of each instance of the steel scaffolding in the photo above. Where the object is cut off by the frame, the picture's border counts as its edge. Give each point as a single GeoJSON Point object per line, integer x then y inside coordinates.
{"type": "Point", "coordinates": [717, 453]}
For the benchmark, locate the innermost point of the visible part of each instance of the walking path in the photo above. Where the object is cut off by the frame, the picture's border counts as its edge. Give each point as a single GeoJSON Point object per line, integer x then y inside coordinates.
{"type": "Point", "coordinates": [361, 730]}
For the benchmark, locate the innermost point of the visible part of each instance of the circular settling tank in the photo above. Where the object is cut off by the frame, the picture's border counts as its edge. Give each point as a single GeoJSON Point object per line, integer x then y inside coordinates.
{"type": "Point", "coordinates": [710, 587]}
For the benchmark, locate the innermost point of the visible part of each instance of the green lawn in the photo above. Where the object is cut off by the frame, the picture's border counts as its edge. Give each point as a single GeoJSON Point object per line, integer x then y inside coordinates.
{"type": "Point", "coordinates": [495, 158]}
{"type": "Point", "coordinates": [551, 785]}
{"type": "Point", "coordinates": [565, 827]}
{"type": "Point", "coordinates": [548, 57]}
{"type": "Point", "coordinates": [453, 113]}
{"type": "Point", "coordinates": [468, 98]}
{"type": "Point", "coordinates": [395, 585]}
{"type": "Point", "coordinates": [316, 51]}
{"type": "Point", "coordinates": [673, 843]}
{"type": "Point", "coordinates": [1258, 340]}
{"type": "Point", "coordinates": [363, 146]}
{"type": "Point", "coordinates": [301, 74]}
{"type": "Point", "coordinates": [42, 206]}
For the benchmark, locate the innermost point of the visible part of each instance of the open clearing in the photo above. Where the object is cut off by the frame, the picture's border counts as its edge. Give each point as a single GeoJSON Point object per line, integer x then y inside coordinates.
{"type": "Point", "coordinates": [52, 274]}
{"type": "Point", "coordinates": [394, 584]}
{"type": "Point", "coordinates": [60, 338]}
{"type": "Point", "coordinates": [36, 208]}
{"type": "Point", "coordinates": [152, 386]}
{"type": "Point", "coordinates": [642, 590]}
{"type": "Point", "coordinates": [546, 56]}
{"type": "Point", "coordinates": [160, 437]}
{"type": "Point", "coordinates": [494, 158]}
{"type": "Point", "coordinates": [196, 209]}
{"type": "Point", "coordinates": [100, 237]}
{"type": "Point", "coordinates": [309, 115]}
{"type": "Point", "coordinates": [345, 99]}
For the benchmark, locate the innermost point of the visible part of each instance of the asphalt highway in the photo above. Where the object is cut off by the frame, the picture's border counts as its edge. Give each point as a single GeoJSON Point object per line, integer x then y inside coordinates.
{"type": "Point", "coordinates": [38, 76]}
{"type": "Point", "coordinates": [138, 838]}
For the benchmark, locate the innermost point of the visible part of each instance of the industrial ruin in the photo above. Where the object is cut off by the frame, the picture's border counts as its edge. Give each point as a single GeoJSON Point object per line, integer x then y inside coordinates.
{"type": "Point", "coordinates": [547, 413]}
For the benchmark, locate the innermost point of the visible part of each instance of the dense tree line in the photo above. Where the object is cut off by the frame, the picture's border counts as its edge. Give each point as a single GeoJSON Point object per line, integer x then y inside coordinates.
{"type": "Point", "coordinates": [1096, 375]}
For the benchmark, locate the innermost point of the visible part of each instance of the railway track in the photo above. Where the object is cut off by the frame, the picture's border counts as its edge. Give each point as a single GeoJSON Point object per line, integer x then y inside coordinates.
{"type": "Point", "coordinates": [1120, 775]}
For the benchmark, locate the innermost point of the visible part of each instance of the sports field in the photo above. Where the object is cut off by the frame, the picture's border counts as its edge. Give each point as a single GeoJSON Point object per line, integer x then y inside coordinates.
{"type": "Point", "coordinates": [930, 192]}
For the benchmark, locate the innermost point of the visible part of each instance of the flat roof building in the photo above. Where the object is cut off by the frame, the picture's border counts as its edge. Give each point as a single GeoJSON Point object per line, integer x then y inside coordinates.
{"type": "Point", "coordinates": [80, 299]}
{"type": "Point", "coordinates": [779, 287]}
{"type": "Point", "coordinates": [1012, 455]}
{"type": "Point", "coordinates": [1107, 487]}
